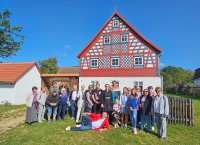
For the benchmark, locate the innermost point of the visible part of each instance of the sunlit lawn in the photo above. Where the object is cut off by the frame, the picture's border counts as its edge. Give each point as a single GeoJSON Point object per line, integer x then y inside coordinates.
{"type": "Point", "coordinates": [54, 133]}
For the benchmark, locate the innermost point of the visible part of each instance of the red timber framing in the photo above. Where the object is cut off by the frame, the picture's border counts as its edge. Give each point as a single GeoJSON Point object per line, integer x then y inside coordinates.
{"type": "Point", "coordinates": [137, 46]}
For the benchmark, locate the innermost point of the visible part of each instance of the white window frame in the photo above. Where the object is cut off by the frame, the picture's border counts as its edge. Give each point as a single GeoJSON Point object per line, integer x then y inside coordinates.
{"type": "Point", "coordinates": [125, 37]}
{"type": "Point", "coordinates": [137, 57]}
{"type": "Point", "coordinates": [138, 83]}
{"type": "Point", "coordinates": [106, 37]}
{"type": "Point", "coordinates": [112, 61]}
{"type": "Point", "coordinates": [116, 23]}
{"type": "Point", "coordinates": [94, 66]}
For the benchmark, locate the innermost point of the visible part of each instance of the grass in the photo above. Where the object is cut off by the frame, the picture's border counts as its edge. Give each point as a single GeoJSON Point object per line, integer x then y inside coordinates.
{"type": "Point", "coordinates": [54, 133]}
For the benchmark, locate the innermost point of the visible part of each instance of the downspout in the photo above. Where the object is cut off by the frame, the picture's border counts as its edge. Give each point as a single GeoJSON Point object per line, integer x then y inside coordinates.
{"type": "Point", "coordinates": [161, 77]}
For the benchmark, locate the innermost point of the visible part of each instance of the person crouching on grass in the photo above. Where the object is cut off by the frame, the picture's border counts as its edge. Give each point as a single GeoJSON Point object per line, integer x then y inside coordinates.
{"type": "Point", "coordinates": [116, 113]}
{"type": "Point", "coordinates": [91, 121]}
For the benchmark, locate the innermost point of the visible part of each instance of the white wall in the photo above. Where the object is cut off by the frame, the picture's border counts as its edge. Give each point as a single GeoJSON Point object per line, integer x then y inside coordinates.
{"type": "Point", "coordinates": [7, 93]}
{"type": "Point", "coordinates": [197, 82]}
{"type": "Point", "coordinates": [123, 81]}
{"type": "Point", "coordinates": [24, 85]}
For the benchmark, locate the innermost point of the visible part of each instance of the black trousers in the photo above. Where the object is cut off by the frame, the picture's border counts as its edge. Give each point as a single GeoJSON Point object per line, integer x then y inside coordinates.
{"type": "Point", "coordinates": [96, 108]}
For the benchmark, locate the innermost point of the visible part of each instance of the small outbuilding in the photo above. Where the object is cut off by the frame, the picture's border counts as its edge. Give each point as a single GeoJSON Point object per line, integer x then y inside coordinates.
{"type": "Point", "coordinates": [197, 78]}
{"type": "Point", "coordinates": [16, 81]}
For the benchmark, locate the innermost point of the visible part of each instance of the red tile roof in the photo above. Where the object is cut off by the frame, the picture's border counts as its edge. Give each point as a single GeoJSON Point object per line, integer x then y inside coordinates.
{"type": "Point", "coordinates": [11, 72]}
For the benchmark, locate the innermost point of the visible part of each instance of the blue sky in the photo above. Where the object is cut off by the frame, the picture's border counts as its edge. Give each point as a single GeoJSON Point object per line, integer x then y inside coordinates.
{"type": "Point", "coordinates": [62, 28]}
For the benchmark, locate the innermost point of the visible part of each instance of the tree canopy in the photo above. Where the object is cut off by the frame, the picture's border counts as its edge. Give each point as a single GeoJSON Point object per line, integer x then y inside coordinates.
{"type": "Point", "coordinates": [49, 66]}
{"type": "Point", "coordinates": [10, 37]}
{"type": "Point", "coordinates": [176, 76]}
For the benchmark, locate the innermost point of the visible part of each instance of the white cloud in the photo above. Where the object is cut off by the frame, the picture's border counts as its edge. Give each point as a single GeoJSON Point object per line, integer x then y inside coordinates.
{"type": "Point", "coordinates": [66, 46]}
{"type": "Point", "coordinates": [161, 64]}
{"type": "Point", "coordinates": [64, 54]}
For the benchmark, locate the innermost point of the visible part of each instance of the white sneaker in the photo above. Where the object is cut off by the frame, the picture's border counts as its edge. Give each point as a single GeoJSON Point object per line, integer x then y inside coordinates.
{"type": "Point", "coordinates": [68, 128]}
{"type": "Point", "coordinates": [152, 128]}
{"type": "Point", "coordinates": [72, 118]}
{"type": "Point", "coordinates": [78, 125]}
{"type": "Point", "coordinates": [135, 131]}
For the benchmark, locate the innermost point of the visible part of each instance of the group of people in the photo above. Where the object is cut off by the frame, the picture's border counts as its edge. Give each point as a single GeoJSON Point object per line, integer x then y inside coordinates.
{"type": "Point", "coordinates": [97, 109]}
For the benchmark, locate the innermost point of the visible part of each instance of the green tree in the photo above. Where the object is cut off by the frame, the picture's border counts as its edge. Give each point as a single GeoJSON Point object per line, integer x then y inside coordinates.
{"type": "Point", "coordinates": [167, 80]}
{"type": "Point", "coordinates": [10, 37]}
{"type": "Point", "coordinates": [49, 66]}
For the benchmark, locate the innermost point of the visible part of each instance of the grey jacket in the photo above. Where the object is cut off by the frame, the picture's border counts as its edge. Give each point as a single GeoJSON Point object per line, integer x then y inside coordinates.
{"type": "Point", "coordinates": [164, 105]}
{"type": "Point", "coordinates": [41, 98]}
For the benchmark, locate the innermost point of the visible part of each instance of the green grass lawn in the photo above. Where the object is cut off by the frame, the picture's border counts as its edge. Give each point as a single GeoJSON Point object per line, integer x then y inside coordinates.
{"type": "Point", "coordinates": [54, 133]}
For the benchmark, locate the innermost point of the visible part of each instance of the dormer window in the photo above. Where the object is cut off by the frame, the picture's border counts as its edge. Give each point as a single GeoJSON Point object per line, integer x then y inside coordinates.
{"type": "Point", "coordinates": [116, 23]}
{"type": "Point", "coordinates": [107, 40]}
{"type": "Point", "coordinates": [124, 38]}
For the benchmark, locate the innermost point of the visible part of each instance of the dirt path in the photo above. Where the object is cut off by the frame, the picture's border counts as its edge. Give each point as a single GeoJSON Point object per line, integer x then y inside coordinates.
{"type": "Point", "coordinates": [11, 119]}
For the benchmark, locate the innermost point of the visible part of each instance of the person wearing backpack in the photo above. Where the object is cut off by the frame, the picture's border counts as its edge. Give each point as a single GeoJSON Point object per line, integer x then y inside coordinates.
{"type": "Point", "coordinates": [160, 106]}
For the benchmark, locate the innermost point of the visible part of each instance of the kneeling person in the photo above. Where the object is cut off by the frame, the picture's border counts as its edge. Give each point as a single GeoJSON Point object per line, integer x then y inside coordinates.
{"type": "Point", "coordinates": [91, 121]}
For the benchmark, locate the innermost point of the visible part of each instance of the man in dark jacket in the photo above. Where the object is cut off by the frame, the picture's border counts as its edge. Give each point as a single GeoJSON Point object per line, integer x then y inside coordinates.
{"type": "Point", "coordinates": [63, 85]}
{"type": "Point", "coordinates": [52, 103]}
{"type": "Point", "coordinates": [106, 102]}
{"type": "Point", "coordinates": [98, 92]}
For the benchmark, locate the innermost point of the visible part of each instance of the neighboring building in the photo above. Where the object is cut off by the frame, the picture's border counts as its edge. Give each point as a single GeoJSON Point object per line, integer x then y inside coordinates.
{"type": "Point", "coordinates": [17, 80]}
{"type": "Point", "coordinates": [119, 52]}
{"type": "Point", "coordinates": [197, 78]}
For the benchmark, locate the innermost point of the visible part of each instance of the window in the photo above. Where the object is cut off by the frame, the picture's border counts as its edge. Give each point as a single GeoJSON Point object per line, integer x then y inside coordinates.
{"type": "Point", "coordinates": [116, 23]}
{"type": "Point", "coordinates": [138, 60]}
{"type": "Point", "coordinates": [124, 38]}
{"type": "Point", "coordinates": [94, 62]}
{"type": "Point", "coordinates": [138, 84]}
{"type": "Point", "coordinates": [115, 62]}
{"type": "Point", "coordinates": [106, 39]}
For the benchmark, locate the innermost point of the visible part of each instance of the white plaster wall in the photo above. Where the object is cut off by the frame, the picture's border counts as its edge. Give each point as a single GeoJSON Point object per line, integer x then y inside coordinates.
{"type": "Point", "coordinates": [123, 81]}
{"type": "Point", "coordinates": [7, 92]}
{"type": "Point", "coordinates": [24, 85]}
{"type": "Point", "coordinates": [197, 82]}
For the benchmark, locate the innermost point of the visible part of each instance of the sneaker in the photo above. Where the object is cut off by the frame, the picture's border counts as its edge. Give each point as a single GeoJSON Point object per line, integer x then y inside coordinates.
{"type": "Point", "coordinates": [125, 126]}
{"type": "Point", "coordinates": [68, 128]}
{"type": "Point", "coordinates": [78, 125]}
{"type": "Point", "coordinates": [122, 126]}
{"type": "Point", "coordinates": [49, 121]}
{"type": "Point", "coordinates": [72, 118]}
{"type": "Point", "coordinates": [152, 128]}
{"type": "Point", "coordinates": [135, 131]}
{"type": "Point", "coordinates": [54, 120]}
{"type": "Point", "coordinates": [40, 121]}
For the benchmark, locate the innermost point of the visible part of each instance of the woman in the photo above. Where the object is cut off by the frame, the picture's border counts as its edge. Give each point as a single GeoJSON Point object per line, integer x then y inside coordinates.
{"type": "Point", "coordinates": [41, 99]}
{"type": "Point", "coordinates": [32, 105]}
{"type": "Point", "coordinates": [52, 102]}
{"type": "Point", "coordinates": [107, 102]}
{"type": "Point", "coordinates": [160, 106]}
{"type": "Point", "coordinates": [88, 100]}
{"type": "Point", "coordinates": [124, 109]}
{"type": "Point", "coordinates": [62, 104]}
{"type": "Point", "coordinates": [133, 104]}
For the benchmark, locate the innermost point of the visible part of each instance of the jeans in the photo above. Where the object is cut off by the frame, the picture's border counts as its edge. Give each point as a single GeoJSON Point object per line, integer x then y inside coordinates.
{"type": "Point", "coordinates": [134, 118]}
{"type": "Point", "coordinates": [52, 108]}
{"type": "Point", "coordinates": [62, 111]}
{"type": "Point", "coordinates": [41, 112]}
{"type": "Point", "coordinates": [86, 124]}
{"type": "Point", "coordinates": [73, 108]}
{"type": "Point", "coordinates": [153, 118]}
{"type": "Point", "coordinates": [145, 119]}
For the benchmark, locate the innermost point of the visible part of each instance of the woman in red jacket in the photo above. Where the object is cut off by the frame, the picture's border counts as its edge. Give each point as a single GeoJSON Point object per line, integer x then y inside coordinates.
{"type": "Point", "coordinates": [92, 121]}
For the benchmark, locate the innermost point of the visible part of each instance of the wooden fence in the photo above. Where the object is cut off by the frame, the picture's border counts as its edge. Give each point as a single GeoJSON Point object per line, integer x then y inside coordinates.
{"type": "Point", "coordinates": [181, 111]}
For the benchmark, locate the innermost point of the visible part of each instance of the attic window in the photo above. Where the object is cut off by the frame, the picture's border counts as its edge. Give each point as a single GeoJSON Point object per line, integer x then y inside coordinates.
{"type": "Point", "coordinates": [116, 23]}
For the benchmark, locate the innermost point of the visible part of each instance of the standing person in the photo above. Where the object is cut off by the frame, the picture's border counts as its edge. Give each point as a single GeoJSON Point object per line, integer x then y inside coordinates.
{"type": "Point", "coordinates": [133, 106]}
{"type": "Point", "coordinates": [116, 113]}
{"type": "Point", "coordinates": [88, 99]}
{"type": "Point", "coordinates": [52, 103]}
{"type": "Point", "coordinates": [152, 94]}
{"type": "Point", "coordinates": [97, 99]}
{"type": "Point", "coordinates": [81, 103]}
{"type": "Point", "coordinates": [73, 101]}
{"type": "Point", "coordinates": [124, 109]}
{"type": "Point", "coordinates": [145, 101]}
{"type": "Point", "coordinates": [54, 88]}
{"type": "Point", "coordinates": [139, 93]}
{"type": "Point", "coordinates": [41, 99]}
{"type": "Point", "coordinates": [63, 97]}
{"type": "Point", "coordinates": [107, 102]}
{"type": "Point", "coordinates": [160, 106]}
{"type": "Point", "coordinates": [31, 103]}
{"type": "Point", "coordinates": [63, 85]}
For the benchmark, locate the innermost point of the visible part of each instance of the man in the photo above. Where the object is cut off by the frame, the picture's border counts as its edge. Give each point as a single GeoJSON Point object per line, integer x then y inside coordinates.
{"type": "Point", "coordinates": [73, 101]}
{"type": "Point", "coordinates": [152, 94]}
{"type": "Point", "coordinates": [98, 92]}
{"type": "Point", "coordinates": [81, 103]}
{"type": "Point", "coordinates": [63, 85]}
{"type": "Point", "coordinates": [54, 88]}
{"type": "Point", "coordinates": [91, 121]}
{"type": "Point", "coordinates": [160, 107]}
